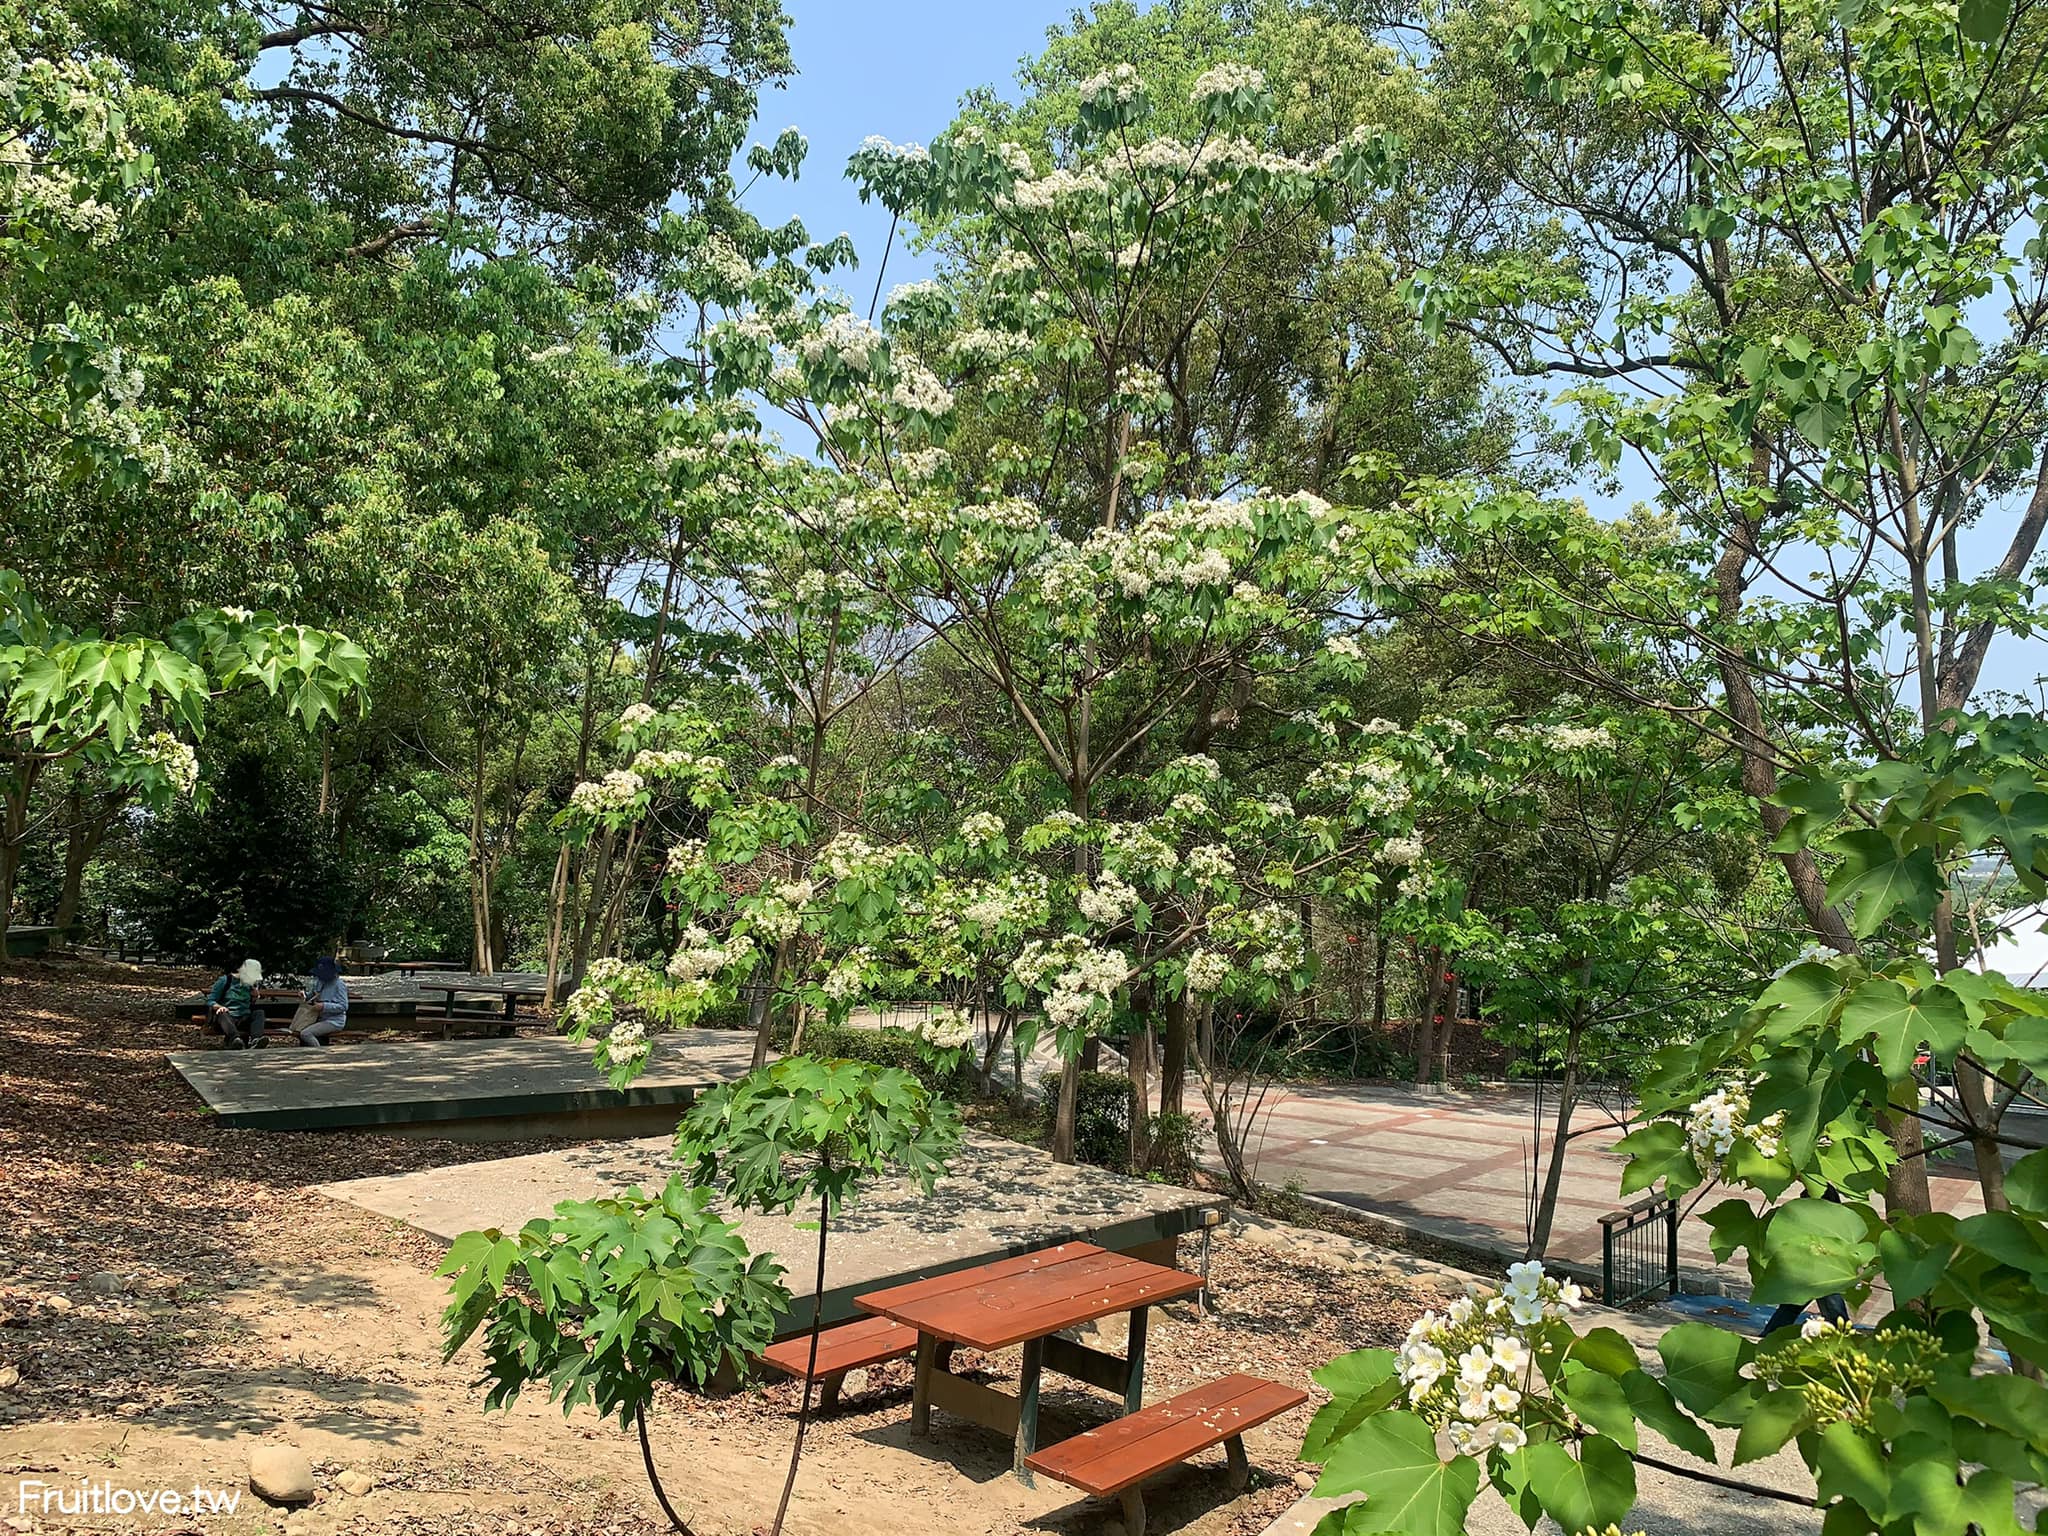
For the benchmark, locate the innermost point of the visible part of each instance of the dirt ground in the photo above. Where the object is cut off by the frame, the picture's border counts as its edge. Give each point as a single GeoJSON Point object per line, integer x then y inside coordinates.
{"type": "Point", "coordinates": [172, 1293]}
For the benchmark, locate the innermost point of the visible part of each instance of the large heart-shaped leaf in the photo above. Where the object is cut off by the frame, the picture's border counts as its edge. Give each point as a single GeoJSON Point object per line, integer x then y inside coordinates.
{"type": "Point", "coordinates": [1595, 1489]}
{"type": "Point", "coordinates": [1392, 1460]}
{"type": "Point", "coordinates": [1811, 1248]}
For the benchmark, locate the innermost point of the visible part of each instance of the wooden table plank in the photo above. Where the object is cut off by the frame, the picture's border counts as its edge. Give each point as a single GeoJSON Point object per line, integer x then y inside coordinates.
{"type": "Point", "coordinates": [990, 1311]}
{"type": "Point", "coordinates": [995, 1269]}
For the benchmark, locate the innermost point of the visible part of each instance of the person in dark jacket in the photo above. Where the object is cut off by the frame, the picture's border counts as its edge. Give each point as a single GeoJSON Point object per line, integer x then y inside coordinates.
{"type": "Point", "coordinates": [231, 1006]}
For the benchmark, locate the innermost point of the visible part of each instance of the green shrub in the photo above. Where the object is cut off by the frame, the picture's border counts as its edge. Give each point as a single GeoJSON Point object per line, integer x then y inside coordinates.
{"type": "Point", "coordinates": [1171, 1146]}
{"type": "Point", "coordinates": [1102, 1117]}
{"type": "Point", "coordinates": [885, 1047]}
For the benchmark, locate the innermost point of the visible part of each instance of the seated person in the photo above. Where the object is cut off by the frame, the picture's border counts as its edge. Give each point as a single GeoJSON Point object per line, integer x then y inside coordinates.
{"type": "Point", "coordinates": [231, 1006]}
{"type": "Point", "coordinates": [327, 996]}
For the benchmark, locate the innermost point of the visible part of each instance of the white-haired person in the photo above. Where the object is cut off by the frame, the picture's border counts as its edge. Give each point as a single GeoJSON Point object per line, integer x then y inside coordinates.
{"type": "Point", "coordinates": [232, 1007]}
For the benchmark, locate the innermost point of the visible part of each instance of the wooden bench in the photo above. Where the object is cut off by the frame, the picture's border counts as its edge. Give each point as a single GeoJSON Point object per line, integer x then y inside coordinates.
{"type": "Point", "coordinates": [1113, 1460]}
{"type": "Point", "coordinates": [848, 1347]}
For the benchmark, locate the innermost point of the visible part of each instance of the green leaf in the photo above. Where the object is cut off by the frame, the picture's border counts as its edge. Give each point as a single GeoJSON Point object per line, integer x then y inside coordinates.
{"type": "Point", "coordinates": [1599, 1401]}
{"type": "Point", "coordinates": [1392, 1460]}
{"type": "Point", "coordinates": [1603, 1350]}
{"type": "Point", "coordinates": [1656, 1407]}
{"type": "Point", "coordinates": [1360, 1384]}
{"type": "Point", "coordinates": [1811, 1248]}
{"type": "Point", "coordinates": [1850, 1464]}
{"type": "Point", "coordinates": [1903, 1021]}
{"type": "Point", "coordinates": [2026, 1184]}
{"type": "Point", "coordinates": [1881, 880]}
{"type": "Point", "coordinates": [1657, 1151]}
{"type": "Point", "coordinates": [1593, 1490]}
{"type": "Point", "coordinates": [2008, 1238]}
{"type": "Point", "coordinates": [1703, 1365]}
{"type": "Point", "coordinates": [1983, 21]}
{"type": "Point", "coordinates": [1773, 1418]}
{"type": "Point", "coordinates": [1914, 1251]}
{"type": "Point", "coordinates": [1800, 1000]}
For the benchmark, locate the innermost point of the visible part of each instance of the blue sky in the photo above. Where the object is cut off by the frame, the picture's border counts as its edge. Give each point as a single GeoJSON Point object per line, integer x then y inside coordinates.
{"type": "Point", "coordinates": [893, 67]}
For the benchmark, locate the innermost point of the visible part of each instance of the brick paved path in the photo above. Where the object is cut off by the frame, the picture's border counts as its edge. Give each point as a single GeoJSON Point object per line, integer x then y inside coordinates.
{"type": "Point", "coordinates": [1458, 1165]}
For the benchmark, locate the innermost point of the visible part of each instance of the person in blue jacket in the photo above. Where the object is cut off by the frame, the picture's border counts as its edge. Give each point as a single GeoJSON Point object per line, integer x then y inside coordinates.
{"type": "Point", "coordinates": [328, 994]}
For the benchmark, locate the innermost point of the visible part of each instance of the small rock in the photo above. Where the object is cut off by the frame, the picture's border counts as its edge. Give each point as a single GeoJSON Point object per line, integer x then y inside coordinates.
{"type": "Point", "coordinates": [355, 1483]}
{"type": "Point", "coordinates": [1304, 1481]}
{"type": "Point", "coordinates": [280, 1473]}
{"type": "Point", "coordinates": [10, 1377]}
{"type": "Point", "coordinates": [856, 1382]}
{"type": "Point", "coordinates": [57, 1303]}
{"type": "Point", "coordinates": [105, 1283]}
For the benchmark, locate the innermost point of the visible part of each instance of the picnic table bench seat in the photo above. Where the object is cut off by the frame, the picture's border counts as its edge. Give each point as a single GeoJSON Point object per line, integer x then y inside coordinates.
{"type": "Point", "coordinates": [1113, 1460]}
{"type": "Point", "coordinates": [848, 1347]}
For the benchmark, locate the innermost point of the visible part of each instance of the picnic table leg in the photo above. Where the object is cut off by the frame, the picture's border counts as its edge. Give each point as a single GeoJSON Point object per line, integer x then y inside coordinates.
{"type": "Point", "coordinates": [1027, 1407]}
{"type": "Point", "coordinates": [921, 1391]}
{"type": "Point", "coordinates": [1240, 1467]}
{"type": "Point", "coordinates": [1134, 1511]}
{"type": "Point", "coordinates": [1134, 1362]}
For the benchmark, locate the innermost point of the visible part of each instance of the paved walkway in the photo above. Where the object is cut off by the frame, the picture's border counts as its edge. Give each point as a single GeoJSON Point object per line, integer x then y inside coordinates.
{"type": "Point", "coordinates": [1459, 1166]}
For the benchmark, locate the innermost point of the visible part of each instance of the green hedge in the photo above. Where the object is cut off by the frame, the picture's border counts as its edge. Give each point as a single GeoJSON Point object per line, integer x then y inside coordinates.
{"type": "Point", "coordinates": [1102, 1116]}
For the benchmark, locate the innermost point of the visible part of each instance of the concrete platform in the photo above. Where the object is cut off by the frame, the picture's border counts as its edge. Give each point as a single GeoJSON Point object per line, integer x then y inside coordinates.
{"type": "Point", "coordinates": [999, 1199]}
{"type": "Point", "coordinates": [477, 1090]}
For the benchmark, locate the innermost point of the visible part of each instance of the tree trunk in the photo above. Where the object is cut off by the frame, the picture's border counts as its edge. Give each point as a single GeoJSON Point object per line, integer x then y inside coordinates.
{"type": "Point", "coordinates": [761, 1007]}
{"type": "Point", "coordinates": [1432, 1000]}
{"type": "Point", "coordinates": [479, 868]}
{"type": "Point", "coordinates": [1063, 1114]}
{"type": "Point", "coordinates": [13, 833]}
{"type": "Point", "coordinates": [83, 834]}
{"type": "Point", "coordinates": [558, 897]}
{"type": "Point", "coordinates": [1560, 1140]}
{"type": "Point", "coordinates": [1173, 1058]}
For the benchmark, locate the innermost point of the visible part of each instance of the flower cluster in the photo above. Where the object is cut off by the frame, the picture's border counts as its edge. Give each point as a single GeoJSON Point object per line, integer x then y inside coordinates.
{"type": "Point", "coordinates": [1075, 976]}
{"type": "Point", "coordinates": [685, 858]}
{"type": "Point", "coordinates": [1469, 1369]}
{"type": "Point", "coordinates": [1210, 862]}
{"type": "Point", "coordinates": [1018, 900]}
{"type": "Point", "coordinates": [981, 828]}
{"type": "Point", "coordinates": [845, 339]}
{"type": "Point", "coordinates": [700, 955]}
{"type": "Point", "coordinates": [1121, 83]}
{"type": "Point", "coordinates": [1225, 79]}
{"type": "Point", "coordinates": [1108, 902]}
{"type": "Point", "coordinates": [1402, 850]}
{"type": "Point", "coordinates": [849, 856]}
{"type": "Point", "coordinates": [637, 716]}
{"type": "Point", "coordinates": [1371, 788]}
{"type": "Point", "coordinates": [1179, 544]}
{"type": "Point", "coordinates": [1277, 933]}
{"type": "Point", "coordinates": [845, 979]}
{"type": "Point", "coordinates": [174, 759]}
{"type": "Point", "coordinates": [1058, 825]}
{"type": "Point", "coordinates": [946, 1029]}
{"type": "Point", "coordinates": [1137, 848]}
{"type": "Point", "coordinates": [1208, 971]}
{"type": "Point", "coordinates": [1717, 1122]}
{"type": "Point", "coordinates": [616, 791]}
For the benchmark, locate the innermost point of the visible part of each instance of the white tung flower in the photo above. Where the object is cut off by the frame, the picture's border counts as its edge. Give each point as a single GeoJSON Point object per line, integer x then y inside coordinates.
{"type": "Point", "coordinates": [1225, 79]}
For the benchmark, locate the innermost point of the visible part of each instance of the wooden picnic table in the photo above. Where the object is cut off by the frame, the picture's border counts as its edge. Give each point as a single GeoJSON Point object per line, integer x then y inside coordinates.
{"type": "Point", "coordinates": [1027, 1300]}
{"type": "Point", "coordinates": [512, 989]}
{"type": "Point", "coordinates": [402, 967]}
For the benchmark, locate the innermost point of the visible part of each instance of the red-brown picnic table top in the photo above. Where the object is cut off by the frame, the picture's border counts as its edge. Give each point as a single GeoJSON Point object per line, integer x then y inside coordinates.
{"type": "Point", "coordinates": [995, 1305]}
